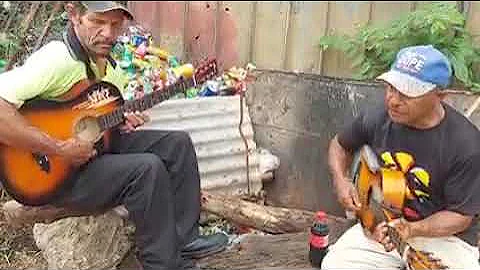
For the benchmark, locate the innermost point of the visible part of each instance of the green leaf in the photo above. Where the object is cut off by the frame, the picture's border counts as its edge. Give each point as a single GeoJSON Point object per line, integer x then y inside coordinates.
{"type": "Point", "coordinates": [373, 48]}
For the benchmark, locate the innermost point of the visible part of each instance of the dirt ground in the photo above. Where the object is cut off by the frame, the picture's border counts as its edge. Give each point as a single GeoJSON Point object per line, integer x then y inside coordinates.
{"type": "Point", "coordinates": [17, 246]}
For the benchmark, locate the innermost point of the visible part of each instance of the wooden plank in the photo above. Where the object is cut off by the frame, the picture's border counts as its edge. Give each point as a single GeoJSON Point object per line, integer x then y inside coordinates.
{"type": "Point", "coordinates": [270, 34]}
{"type": "Point", "coordinates": [200, 30]}
{"type": "Point", "coordinates": [234, 33]}
{"type": "Point", "coordinates": [383, 12]}
{"type": "Point", "coordinates": [308, 20]}
{"type": "Point", "coordinates": [343, 18]}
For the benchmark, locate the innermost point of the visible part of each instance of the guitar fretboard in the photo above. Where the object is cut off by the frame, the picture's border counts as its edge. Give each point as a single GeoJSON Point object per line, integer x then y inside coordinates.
{"type": "Point", "coordinates": [204, 72]}
{"type": "Point", "coordinates": [146, 102]}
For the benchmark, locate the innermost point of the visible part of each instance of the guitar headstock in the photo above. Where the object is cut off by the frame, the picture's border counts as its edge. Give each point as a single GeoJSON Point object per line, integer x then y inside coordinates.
{"type": "Point", "coordinates": [206, 71]}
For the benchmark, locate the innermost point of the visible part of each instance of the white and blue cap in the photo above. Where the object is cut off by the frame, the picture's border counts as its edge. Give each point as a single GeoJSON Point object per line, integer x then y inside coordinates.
{"type": "Point", "coordinates": [418, 70]}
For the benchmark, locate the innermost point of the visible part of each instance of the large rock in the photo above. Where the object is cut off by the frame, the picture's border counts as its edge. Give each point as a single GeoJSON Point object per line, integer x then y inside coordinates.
{"type": "Point", "coordinates": [90, 242]}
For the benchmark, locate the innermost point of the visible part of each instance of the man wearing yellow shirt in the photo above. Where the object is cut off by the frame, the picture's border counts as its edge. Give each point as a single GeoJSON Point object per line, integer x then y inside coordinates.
{"type": "Point", "coordinates": [154, 174]}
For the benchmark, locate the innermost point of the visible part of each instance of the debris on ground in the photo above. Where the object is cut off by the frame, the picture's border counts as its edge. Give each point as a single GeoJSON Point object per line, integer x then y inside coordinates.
{"type": "Point", "coordinates": [235, 233]}
{"type": "Point", "coordinates": [17, 246]}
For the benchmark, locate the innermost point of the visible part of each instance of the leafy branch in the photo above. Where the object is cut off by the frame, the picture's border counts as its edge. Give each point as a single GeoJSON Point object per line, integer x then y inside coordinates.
{"type": "Point", "coordinates": [373, 48]}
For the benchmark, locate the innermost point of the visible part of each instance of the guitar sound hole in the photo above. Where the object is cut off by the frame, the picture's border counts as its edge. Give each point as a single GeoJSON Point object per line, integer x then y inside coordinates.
{"type": "Point", "coordinates": [87, 129]}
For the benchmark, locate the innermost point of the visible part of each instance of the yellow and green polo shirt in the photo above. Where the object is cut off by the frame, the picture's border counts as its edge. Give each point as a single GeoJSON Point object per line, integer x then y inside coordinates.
{"type": "Point", "coordinates": [49, 73]}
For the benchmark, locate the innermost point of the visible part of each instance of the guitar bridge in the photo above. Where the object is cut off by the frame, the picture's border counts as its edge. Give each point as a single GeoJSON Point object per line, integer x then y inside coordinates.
{"type": "Point", "coordinates": [42, 161]}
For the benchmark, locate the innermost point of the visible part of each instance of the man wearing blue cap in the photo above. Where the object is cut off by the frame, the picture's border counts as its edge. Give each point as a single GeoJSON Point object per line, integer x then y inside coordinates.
{"type": "Point", "coordinates": [443, 177]}
{"type": "Point", "coordinates": [153, 173]}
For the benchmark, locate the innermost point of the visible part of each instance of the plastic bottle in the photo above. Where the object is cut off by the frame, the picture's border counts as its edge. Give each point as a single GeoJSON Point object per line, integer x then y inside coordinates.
{"type": "Point", "coordinates": [318, 239]}
{"type": "Point", "coordinates": [164, 55]}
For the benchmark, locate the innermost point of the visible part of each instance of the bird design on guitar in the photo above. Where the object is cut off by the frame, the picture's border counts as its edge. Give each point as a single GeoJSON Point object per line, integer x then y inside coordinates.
{"type": "Point", "coordinates": [382, 192]}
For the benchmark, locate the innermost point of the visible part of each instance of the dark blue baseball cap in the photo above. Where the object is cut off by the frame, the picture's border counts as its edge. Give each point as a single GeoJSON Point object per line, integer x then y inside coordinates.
{"type": "Point", "coordinates": [418, 70]}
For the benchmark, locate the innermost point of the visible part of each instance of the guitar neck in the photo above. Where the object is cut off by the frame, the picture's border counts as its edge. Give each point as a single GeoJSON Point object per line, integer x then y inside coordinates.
{"type": "Point", "coordinates": [116, 117]}
{"type": "Point", "coordinates": [397, 240]}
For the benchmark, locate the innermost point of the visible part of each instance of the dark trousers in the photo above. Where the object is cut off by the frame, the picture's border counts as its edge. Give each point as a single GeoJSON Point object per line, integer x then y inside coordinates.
{"type": "Point", "coordinates": [154, 174]}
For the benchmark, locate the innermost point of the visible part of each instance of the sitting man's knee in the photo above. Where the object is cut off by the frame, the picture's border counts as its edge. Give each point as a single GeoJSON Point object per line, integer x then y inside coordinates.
{"type": "Point", "coordinates": [328, 261]}
{"type": "Point", "coordinates": [182, 137]}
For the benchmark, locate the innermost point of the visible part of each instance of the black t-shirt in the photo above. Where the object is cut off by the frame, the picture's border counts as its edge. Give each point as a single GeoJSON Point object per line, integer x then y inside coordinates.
{"type": "Point", "coordinates": [441, 164]}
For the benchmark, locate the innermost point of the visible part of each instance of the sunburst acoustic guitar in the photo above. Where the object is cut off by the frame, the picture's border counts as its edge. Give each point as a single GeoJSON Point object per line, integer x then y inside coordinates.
{"type": "Point", "coordinates": [34, 178]}
{"type": "Point", "coordinates": [382, 192]}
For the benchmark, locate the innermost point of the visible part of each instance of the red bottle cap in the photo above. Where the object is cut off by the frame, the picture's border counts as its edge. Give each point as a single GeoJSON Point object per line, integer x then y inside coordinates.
{"type": "Point", "coordinates": [321, 216]}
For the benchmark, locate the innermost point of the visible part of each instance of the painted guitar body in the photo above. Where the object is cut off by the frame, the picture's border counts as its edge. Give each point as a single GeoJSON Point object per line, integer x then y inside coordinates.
{"type": "Point", "coordinates": [382, 192]}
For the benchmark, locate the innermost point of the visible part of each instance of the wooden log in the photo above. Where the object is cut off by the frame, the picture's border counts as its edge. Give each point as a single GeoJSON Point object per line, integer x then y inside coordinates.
{"type": "Point", "coordinates": [274, 220]}
{"type": "Point", "coordinates": [270, 219]}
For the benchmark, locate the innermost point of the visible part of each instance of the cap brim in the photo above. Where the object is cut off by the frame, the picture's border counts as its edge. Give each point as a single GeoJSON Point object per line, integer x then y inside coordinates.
{"type": "Point", "coordinates": [126, 11]}
{"type": "Point", "coordinates": [406, 84]}
{"type": "Point", "coordinates": [100, 6]}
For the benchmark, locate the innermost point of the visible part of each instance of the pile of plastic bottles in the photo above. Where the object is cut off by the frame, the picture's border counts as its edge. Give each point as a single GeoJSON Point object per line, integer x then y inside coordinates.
{"type": "Point", "coordinates": [150, 68]}
{"type": "Point", "coordinates": [231, 82]}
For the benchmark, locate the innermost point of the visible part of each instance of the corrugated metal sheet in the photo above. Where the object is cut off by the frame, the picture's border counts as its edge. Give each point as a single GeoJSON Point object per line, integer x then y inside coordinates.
{"type": "Point", "coordinates": [213, 124]}
{"type": "Point", "coordinates": [280, 35]}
